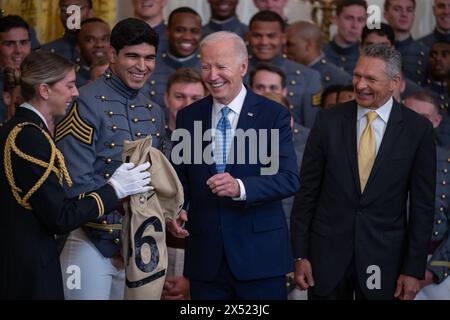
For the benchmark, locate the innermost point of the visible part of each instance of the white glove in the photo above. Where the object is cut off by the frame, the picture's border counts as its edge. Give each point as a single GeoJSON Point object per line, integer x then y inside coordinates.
{"type": "Point", "coordinates": [128, 179]}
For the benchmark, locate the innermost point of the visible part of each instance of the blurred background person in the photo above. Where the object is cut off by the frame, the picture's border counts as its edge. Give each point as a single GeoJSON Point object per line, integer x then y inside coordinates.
{"type": "Point", "coordinates": [441, 12]}
{"type": "Point", "coordinates": [11, 90]}
{"type": "Point", "coordinates": [224, 18]}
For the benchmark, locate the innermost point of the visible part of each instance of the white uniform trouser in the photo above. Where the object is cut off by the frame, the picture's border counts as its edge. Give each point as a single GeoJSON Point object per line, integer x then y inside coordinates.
{"type": "Point", "coordinates": [87, 274]}
{"type": "Point", "coordinates": [435, 291]}
{"type": "Point", "coordinates": [175, 257]}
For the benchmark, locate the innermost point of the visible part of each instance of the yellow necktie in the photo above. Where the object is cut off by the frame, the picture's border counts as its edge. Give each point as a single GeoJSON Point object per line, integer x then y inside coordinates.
{"type": "Point", "coordinates": [367, 150]}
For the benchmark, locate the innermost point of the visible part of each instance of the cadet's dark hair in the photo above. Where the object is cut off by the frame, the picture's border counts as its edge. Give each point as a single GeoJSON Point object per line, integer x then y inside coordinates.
{"type": "Point", "coordinates": [330, 90]}
{"type": "Point", "coordinates": [13, 21]}
{"type": "Point", "coordinates": [384, 30]}
{"type": "Point", "coordinates": [42, 67]}
{"type": "Point", "coordinates": [268, 16]}
{"type": "Point", "coordinates": [92, 20]}
{"type": "Point", "coordinates": [185, 75]}
{"type": "Point", "coordinates": [132, 31]}
{"type": "Point", "coordinates": [341, 4]}
{"type": "Point", "coordinates": [387, 3]}
{"type": "Point", "coordinates": [269, 68]}
{"type": "Point", "coordinates": [182, 10]}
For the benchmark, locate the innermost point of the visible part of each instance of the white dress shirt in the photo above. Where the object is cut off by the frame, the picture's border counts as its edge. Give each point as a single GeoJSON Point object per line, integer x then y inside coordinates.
{"type": "Point", "coordinates": [233, 116]}
{"type": "Point", "coordinates": [378, 125]}
{"type": "Point", "coordinates": [28, 106]}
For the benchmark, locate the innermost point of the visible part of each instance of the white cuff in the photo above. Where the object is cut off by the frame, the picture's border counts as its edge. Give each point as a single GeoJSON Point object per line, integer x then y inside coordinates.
{"type": "Point", "coordinates": [243, 195]}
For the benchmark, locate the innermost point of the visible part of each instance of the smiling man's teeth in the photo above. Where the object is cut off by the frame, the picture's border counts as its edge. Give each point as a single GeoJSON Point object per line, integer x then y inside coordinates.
{"type": "Point", "coordinates": [217, 85]}
{"type": "Point", "coordinates": [185, 45]}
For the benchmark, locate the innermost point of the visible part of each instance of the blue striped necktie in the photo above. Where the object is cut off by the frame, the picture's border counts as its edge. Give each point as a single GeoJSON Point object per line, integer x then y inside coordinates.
{"type": "Point", "coordinates": [223, 140]}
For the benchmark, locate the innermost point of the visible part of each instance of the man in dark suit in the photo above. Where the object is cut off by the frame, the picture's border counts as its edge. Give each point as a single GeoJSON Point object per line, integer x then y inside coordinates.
{"type": "Point", "coordinates": [351, 232]}
{"type": "Point", "coordinates": [238, 246]}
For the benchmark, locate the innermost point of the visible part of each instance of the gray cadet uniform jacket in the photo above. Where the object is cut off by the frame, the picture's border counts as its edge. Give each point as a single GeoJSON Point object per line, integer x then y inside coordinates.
{"type": "Point", "coordinates": [304, 88]}
{"type": "Point", "coordinates": [439, 263]}
{"type": "Point", "coordinates": [232, 24]}
{"type": "Point", "coordinates": [414, 59]}
{"type": "Point", "coordinates": [344, 58]}
{"type": "Point", "coordinates": [91, 137]}
{"type": "Point", "coordinates": [330, 74]}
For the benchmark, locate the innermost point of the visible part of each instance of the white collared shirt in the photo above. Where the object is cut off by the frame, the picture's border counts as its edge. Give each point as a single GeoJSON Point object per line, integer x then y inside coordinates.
{"type": "Point", "coordinates": [379, 124]}
{"type": "Point", "coordinates": [28, 106]}
{"type": "Point", "coordinates": [233, 116]}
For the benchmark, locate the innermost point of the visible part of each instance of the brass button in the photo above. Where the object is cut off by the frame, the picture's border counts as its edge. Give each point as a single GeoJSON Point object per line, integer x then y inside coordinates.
{"type": "Point", "coordinates": [158, 134]}
{"type": "Point", "coordinates": [422, 53]}
{"type": "Point", "coordinates": [152, 93]}
{"type": "Point", "coordinates": [298, 72]}
{"type": "Point", "coordinates": [108, 76]}
{"type": "Point", "coordinates": [153, 120]}
{"type": "Point", "coordinates": [443, 196]}
{"type": "Point", "coordinates": [132, 106]}
{"type": "Point", "coordinates": [441, 209]}
{"type": "Point", "coordinates": [198, 56]}
{"type": "Point", "coordinates": [110, 230]}
{"type": "Point", "coordinates": [149, 106]}
{"type": "Point", "coordinates": [296, 131]}
{"type": "Point", "coordinates": [419, 63]}
{"type": "Point", "coordinates": [448, 160]}
{"type": "Point", "coordinates": [442, 97]}
{"type": "Point", "coordinates": [436, 233]}
{"type": "Point", "coordinates": [445, 274]}
{"type": "Point", "coordinates": [445, 170]}
{"type": "Point", "coordinates": [439, 221]}
{"type": "Point", "coordinates": [104, 222]}
{"type": "Point", "coordinates": [152, 81]}
{"type": "Point", "coordinates": [343, 59]}
{"type": "Point", "coordinates": [52, 50]}
{"type": "Point", "coordinates": [103, 98]}
{"type": "Point", "coordinates": [114, 128]}
{"type": "Point", "coordinates": [291, 94]}
{"type": "Point", "coordinates": [291, 106]}
{"type": "Point", "coordinates": [138, 134]}
{"type": "Point", "coordinates": [419, 72]}
{"type": "Point", "coordinates": [164, 55]}
{"type": "Point", "coordinates": [108, 160]}
{"type": "Point", "coordinates": [323, 61]}
{"type": "Point", "coordinates": [116, 240]}
{"type": "Point", "coordinates": [444, 183]}
{"type": "Point", "coordinates": [110, 113]}
{"type": "Point", "coordinates": [112, 145]}
{"type": "Point", "coordinates": [293, 82]}
{"type": "Point", "coordinates": [135, 120]}
{"type": "Point", "coordinates": [107, 175]}
{"type": "Point", "coordinates": [327, 78]}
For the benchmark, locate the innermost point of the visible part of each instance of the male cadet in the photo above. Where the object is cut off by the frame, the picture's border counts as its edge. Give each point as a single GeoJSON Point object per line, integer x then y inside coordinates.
{"type": "Point", "coordinates": [266, 38]}
{"type": "Point", "coordinates": [14, 47]}
{"type": "Point", "coordinates": [107, 112]}
{"type": "Point", "coordinates": [152, 12]}
{"type": "Point", "coordinates": [184, 32]}
{"type": "Point", "coordinates": [436, 84]}
{"type": "Point", "coordinates": [265, 79]}
{"type": "Point", "coordinates": [93, 41]}
{"type": "Point", "coordinates": [304, 46]}
{"type": "Point", "coordinates": [350, 19]}
{"type": "Point", "coordinates": [436, 285]}
{"type": "Point", "coordinates": [224, 18]}
{"type": "Point", "coordinates": [441, 11]}
{"type": "Point", "coordinates": [385, 35]}
{"type": "Point", "coordinates": [276, 6]}
{"type": "Point", "coordinates": [66, 45]}
{"type": "Point", "coordinates": [400, 15]}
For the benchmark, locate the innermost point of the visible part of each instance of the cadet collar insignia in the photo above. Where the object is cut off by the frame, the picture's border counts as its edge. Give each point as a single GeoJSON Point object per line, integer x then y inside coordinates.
{"type": "Point", "coordinates": [74, 125]}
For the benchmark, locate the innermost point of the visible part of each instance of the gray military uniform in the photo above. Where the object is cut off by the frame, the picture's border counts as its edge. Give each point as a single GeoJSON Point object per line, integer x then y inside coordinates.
{"type": "Point", "coordinates": [299, 137]}
{"type": "Point", "coordinates": [232, 24]}
{"type": "Point", "coordinates": [65, 46]}
{"type": "Point", "coordinates": [440, 91]}
{"type": "Point", "coordinates": [91, 137]}
{"type": "Point", "coordinates": [304, 88]}
{"type": "Point", "coordinates": [440, 240]}
{"type": "Point", "coordinates": [433, 37]}
{"type": "Point", "coordinates": [160, 29]}
{"type": "Point", "coordinates": [168, 64]}
{"type": "Point", "coordinates": [414, 59]}
{"type": "Point", "coordinates": [330, 74]}
{"type": "Point", "coordinates": [344, 58]}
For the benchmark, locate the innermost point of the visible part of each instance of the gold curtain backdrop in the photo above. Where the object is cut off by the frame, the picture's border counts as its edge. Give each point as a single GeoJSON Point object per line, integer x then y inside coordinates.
{"type": "Point", "coordinates": [43, 15]}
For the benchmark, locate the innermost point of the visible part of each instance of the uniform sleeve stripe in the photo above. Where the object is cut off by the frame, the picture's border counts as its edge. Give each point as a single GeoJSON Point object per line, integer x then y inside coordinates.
{"type": "Point", "coordinates": [73, 124]}
{"type": "Point", "coordinates": [101, 208]}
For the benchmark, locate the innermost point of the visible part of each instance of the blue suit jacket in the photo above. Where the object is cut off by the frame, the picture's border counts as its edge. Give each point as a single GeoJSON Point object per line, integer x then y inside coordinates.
{"type": "Point", "coordinates": [252, 233]}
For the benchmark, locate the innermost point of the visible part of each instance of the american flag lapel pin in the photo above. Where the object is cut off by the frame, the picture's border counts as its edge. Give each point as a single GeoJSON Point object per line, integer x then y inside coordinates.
{"type": "Point", "coordinates": [250, 114]}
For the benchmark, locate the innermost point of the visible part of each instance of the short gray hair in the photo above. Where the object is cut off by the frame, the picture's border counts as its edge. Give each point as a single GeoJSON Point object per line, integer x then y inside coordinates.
{"type": "Point", "coordinates": [221, 36]}
{"type": "Point", "coordinates": [389, 55]}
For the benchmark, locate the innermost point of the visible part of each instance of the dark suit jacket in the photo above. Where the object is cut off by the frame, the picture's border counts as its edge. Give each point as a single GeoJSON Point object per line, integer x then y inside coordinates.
{"type": "Point", "coordinates": [253, 233]}
{"type": "Point", "coordinates": [331, 220]}
{"type": "Point", "coordinates": [29, 264]}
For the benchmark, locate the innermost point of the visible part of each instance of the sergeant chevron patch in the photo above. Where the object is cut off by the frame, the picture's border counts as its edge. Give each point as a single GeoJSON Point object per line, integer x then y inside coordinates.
{"type": "Point", "coordinates": [73, 125]}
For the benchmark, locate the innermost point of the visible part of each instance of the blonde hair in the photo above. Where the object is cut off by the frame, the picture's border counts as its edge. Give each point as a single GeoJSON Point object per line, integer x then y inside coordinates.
{"type": "Point", "coordinates": [42, 67]}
